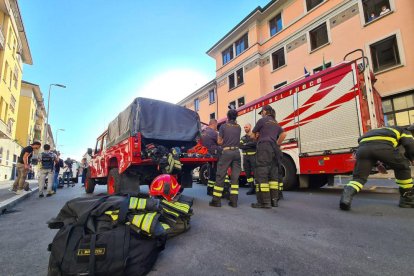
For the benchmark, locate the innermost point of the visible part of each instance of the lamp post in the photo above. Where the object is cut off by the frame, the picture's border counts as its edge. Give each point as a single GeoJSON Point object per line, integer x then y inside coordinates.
{"type": "Point", "coordinates": [48, 105]}
{"type": "Point", "coordinates": [57, 131]}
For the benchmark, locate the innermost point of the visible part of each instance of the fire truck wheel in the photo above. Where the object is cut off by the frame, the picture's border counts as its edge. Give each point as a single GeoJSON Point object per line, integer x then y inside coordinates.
{"type": "Point", "coordinates": [290, 179]}
{"type": "Point", "coordinates": [113, 182]}
{"type": "Point", "coordinates": [89, 183]}
{"type": "Point", "coordinates": [203, 174]}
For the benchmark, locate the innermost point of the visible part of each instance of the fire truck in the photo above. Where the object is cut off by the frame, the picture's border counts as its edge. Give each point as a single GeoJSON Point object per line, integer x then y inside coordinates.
{"type": "Point", "coordinates": [120, 159]}
{"type": "Point", "coordinates": [324, 115]}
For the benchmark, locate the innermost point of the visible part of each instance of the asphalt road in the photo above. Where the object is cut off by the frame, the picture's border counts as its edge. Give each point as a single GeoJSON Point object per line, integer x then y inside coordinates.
{"type": "Point", "coordinates": [306, 235]}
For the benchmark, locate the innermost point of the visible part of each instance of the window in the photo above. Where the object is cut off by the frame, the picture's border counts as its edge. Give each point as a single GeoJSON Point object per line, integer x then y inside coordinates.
{"type": "Point", "coordinates": [374, 9]}
{"type": "Point", "coordinates": [98, 146]}
{"type": "Point", "coordinates": [12, 103]}
{"type": "Point", "coordinates": [196, 105]}
{"type": "Point", "coordinates": [6, 70]}
{"type": "Point", "coordinates": [104, 142]}
{"type": "Point", "coordinates": [239, 74]}
{"type": "Point", "coordinates": [385, 54]}
{"type": "Point", "coordinates": [227, 54]}
{"type": "Point", "coordinates": [232, 105]}
{"type": "Point", "coordinates": [7, 157]}
{"type": "Point", "coordinates": [231, 81]}
{"type": "Point", "coordinates": [211, 96]}
{"type": "Point", "coordinates": [310, 4]}
{"type": "Point", "coordinates": [275, 24]}
{"type": "Point", "coordinates": [399, 110]}
{"type": "Point", "coordinates": [278, 58]}
{"type": "Point", "coordinates": [15, 81]}
{"type": "Point", "coordinates": [240, 101]}
{"type": "Point", "coordinates": [213, 115]}
{"type": "Point", "coordinates": [318, 36]}
{"type": "Point", "coordinates": [279, 85]}
{"type": "Point", "coordinates": [1, 154]}
{"type": "Point", "coordinates": [242, 44]}
{"type": "Point", "coordinates": [320, 68]}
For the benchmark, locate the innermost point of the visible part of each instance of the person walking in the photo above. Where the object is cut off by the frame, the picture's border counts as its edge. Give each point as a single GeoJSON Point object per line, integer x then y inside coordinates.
{"type": "Point", "coordinates": [248, 147]}
{"type": "Point", "coordinates": [209, 140]}
{"type": "Point", "coordinates": [83, 167]}
{"type": "Point", "coordinates": [67, 174]}
{"type": "Point", "coordinates": [270, 135]}
{"type": "Point", "coordinates": [58, 165]}
{"type": "Point", "coordinates": [23, 166]}
{"type": "Point", "coordinates": [47, 165]}
{"type": "Point", "coordinates": [382, 145]}
{"type": "Point", "coordinates": [229, 139]}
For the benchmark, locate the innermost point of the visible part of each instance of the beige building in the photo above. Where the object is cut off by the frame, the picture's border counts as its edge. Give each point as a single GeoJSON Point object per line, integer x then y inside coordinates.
{"type": "Point", "coordinates": [273, 45]}
{"type": "Point", "coordinates": [14, 51]}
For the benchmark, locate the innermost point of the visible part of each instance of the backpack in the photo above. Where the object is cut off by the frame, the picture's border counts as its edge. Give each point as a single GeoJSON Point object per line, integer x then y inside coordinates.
{"type": "Point", "coordinates": [106, 235]}
{"type": "Point", "coordinates": [47, 159]}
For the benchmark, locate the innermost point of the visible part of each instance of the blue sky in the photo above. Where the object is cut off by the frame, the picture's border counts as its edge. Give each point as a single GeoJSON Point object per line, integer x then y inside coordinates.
{"type": "Point", "coordinates": [109, 52]}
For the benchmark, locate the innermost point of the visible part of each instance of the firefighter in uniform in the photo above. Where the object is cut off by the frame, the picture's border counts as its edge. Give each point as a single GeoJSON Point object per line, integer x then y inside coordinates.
{"type": "Point", "coordinates": [270, 136]}
{"type": "Point", "coordinates": [229, 139]}
{"type": "Point", "coordinates": [209, 140]}
{"type": "Point", "coordinates": [248, 146]}
{"type": "Point", "coordinates": [381, 145]}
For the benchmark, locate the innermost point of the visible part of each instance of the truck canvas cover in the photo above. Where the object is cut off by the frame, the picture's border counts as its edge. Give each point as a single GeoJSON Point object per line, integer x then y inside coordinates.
{"type": "Point", "coordinates": [156, 120]}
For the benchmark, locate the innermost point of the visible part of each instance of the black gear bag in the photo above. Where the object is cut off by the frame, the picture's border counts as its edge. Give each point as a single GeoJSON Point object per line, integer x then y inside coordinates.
{"type": "Point", "coordinates": [90, 242]}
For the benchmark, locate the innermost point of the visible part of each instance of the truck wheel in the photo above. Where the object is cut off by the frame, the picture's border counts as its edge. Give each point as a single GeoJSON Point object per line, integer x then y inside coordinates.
{"type": "Point", "coordinates": [89, 183]}
{"type": "Point", "coordinates": [290, 178]}
{"type": "Point", "coordinates": [203, 174]}
{"type": "Point", "coordinates": [113, 182]}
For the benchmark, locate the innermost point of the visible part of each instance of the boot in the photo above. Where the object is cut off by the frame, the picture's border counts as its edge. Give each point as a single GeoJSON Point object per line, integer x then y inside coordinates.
{"type": "Point", "coordinates": [274, 195]}
{"type": "Point", "coordinates": [233, 201]}
{"type": "Point", "coordinates": [260, 202]}
{"type": "Point", "coordinates": [226, 193]}
{"type": "Point", "coordinates": [215, 202]}
{"type": "Point", "coordinates": [406, 198]}
{"type": "Point", "coordinates": [346, 198]}
{"type": "Point", "coordinates": [252, 190]}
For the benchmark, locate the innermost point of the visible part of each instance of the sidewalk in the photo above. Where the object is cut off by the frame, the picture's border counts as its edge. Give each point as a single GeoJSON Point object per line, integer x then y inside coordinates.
{"type": "Point", "coordinates": [9, 199]}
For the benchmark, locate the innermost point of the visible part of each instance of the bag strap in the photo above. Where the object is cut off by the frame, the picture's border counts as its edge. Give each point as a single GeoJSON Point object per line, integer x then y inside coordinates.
{"type": "Point", "coordinates": [123, 210]}
{"type": "Point", "coordinates": [82, 219]}
{"type": "Point", "coordinates": [92, 256]}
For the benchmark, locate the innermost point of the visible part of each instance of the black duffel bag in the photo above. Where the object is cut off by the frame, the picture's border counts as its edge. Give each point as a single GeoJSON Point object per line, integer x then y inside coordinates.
{"type": "Point", "coordinates": [94, 244]}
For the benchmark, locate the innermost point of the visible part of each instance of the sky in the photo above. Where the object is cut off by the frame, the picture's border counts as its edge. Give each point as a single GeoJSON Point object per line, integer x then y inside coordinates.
{"type": "Point", "coordinates": [109, 52]}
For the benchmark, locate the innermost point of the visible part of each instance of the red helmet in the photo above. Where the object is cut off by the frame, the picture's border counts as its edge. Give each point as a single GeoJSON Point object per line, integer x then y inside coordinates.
{"type": "Point", "coordinates": [165, 185]}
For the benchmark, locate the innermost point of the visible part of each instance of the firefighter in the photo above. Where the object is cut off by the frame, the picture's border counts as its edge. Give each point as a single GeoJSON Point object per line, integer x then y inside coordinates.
{"type": "Point", "coordinates": [270, 136]}
{"type": "Point", "coordinates": [229, 139]}
{"type": "Point", "coordinates": [248, 147]}
{"type": "Point", "coordinates": [381, 145]}
{"type": "Point", "coordinates": [209, 140]}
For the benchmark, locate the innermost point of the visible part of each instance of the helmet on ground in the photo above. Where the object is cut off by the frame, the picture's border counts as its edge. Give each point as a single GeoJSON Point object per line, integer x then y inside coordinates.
{"type": "Point", "coordinates": [165, 185]}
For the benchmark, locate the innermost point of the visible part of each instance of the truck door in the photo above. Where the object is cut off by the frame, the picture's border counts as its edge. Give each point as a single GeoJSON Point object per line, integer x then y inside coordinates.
{"type": "Point", "coordinates": [96, 161]}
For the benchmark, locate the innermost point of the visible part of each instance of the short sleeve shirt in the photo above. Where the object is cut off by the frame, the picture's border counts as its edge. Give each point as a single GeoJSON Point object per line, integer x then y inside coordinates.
{"type": "Point", "coordinates": [268, 129]}
{"type": "Point", "coordinates": [27, 149]}
{"type": "Point", "coordinates": [230, 132]}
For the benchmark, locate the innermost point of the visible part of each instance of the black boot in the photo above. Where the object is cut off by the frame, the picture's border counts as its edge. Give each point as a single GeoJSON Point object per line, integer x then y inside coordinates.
{"type": "Point", "coordinates": [346, 198]}
{"type": "Point", "coordinates": [252, 189]}
{"type": "Point", "coordinates": [406, 198]}
{"type": "Point", "coordinates": [215, 202]}
{"type": "Point", "coordinates": [274, 196]}
{"type": "Point", "coordinates": [210, 191]}
{"type": "Point", "coordinates": [260, 202]}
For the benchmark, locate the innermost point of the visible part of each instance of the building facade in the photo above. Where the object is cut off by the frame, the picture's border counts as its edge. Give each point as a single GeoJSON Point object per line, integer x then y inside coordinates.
{"type": "Point", "coordinates": [279, 43]}
{"type": "Point", "coordinates": [14, 51]}
{"type": "Point", "coordinates": [31, 117]}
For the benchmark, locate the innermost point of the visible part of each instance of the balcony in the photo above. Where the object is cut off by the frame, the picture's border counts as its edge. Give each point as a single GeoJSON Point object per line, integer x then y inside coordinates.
{"type": "Point", "coordinates": [39, 113]}
{"type": "Point", "coordinates": [4, 130]}
{"type": "Point", "coordinates": [38, 127]}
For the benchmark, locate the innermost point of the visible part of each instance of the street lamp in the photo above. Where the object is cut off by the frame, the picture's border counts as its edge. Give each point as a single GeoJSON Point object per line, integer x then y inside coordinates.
{"type": "Point", "coordinates": [57, 131]}
{"type": "Point", "coordinates": [48, 105]}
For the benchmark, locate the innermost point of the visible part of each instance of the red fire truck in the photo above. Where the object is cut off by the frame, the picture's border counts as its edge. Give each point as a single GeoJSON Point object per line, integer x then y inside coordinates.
{"type": "Point", "coordinates": [323, 114]}
{"type": "Point", "coordinates": [121, 160]}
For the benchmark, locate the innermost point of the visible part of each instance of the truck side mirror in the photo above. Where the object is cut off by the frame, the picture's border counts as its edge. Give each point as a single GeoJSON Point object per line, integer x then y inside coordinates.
{"type": "Point", "coordinates": [89, 151]}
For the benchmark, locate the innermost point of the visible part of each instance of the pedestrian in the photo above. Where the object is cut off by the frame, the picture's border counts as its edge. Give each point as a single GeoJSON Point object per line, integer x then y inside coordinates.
{"type": "Point", "coordinates": [84, 167]}
{"type": "Point", "coordinates": [47, 165]}
{"type": "Point", "coordinates": [268, 155]}
{"type": "Point", "coordinates": [229, 139]}
{"type": "Point", "coordinates": [209, 139]}
{"type": "Point", "coordinates": [248, 147]}
{"type": "Point", "coordinates": [67, 171]}
{"type": "Point", "coordinates": [58, 165]}
{"type": "Point", "coordinates": [23, 166]}
{"type": "Point", "coordinates": [382, 145]}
